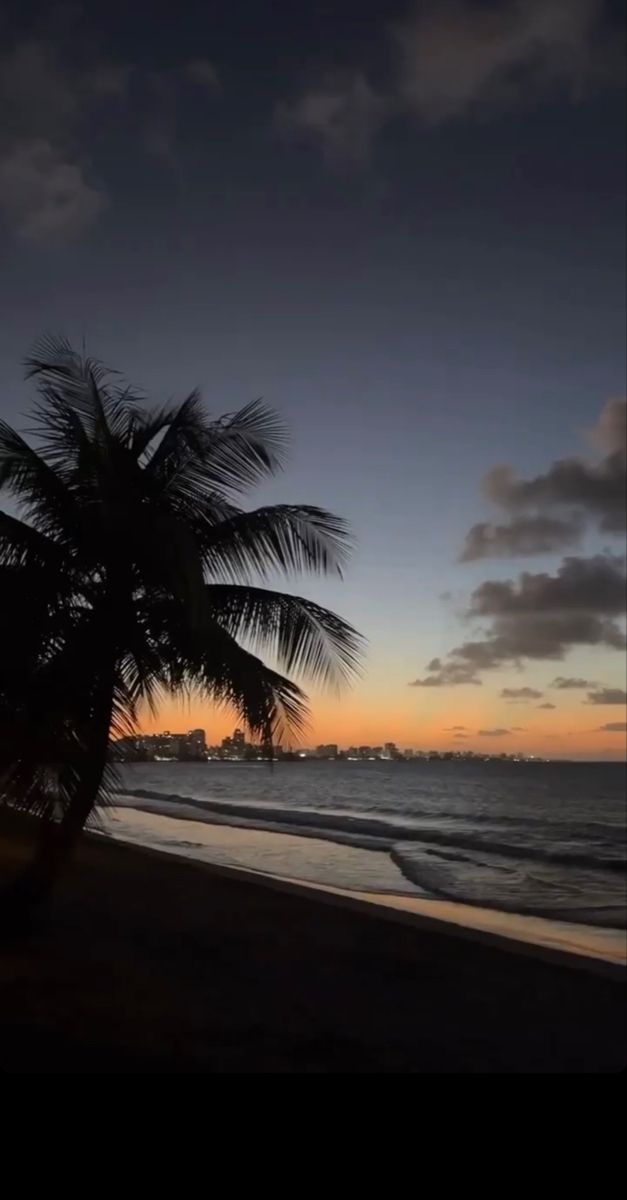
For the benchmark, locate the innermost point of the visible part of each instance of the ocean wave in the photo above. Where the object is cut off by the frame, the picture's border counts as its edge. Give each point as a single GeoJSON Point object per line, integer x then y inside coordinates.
{"type": "Point", "coordinates": [510, 885]}
{"type": "Point", "coordinates": [377, 833]}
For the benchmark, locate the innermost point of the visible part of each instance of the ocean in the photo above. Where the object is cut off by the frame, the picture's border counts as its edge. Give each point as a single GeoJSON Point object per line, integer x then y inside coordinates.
{"type": "Point", "coordinates": [543, 839]}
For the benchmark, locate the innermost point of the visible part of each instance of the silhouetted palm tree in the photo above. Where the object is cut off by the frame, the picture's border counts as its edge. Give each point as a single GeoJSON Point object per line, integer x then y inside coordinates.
{"type": "Point", "coordinates": [131, 572]}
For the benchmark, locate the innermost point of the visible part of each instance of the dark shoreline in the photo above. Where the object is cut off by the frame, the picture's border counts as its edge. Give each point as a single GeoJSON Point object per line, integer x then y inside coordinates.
{"type": "Point", "coordinates": [147, 964]}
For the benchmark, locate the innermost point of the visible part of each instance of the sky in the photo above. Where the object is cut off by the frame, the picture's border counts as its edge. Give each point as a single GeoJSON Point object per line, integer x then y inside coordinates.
{"type": "Point", "coordinates": [402, 224]}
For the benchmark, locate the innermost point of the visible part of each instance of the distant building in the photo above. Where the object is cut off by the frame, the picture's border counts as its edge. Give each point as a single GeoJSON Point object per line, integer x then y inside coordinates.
{"type": "Point", "coordinates": [192, 747]}
{"type": "Point", "coordinates": [196, 738]}
{"type": "Point", "coordinates": [161, 746]}
{"type": "Point", "coordinates": [195, 744]}
{"type": "Point", "coordinates": [390, 751]}
{"type": "Point", "coordinates": [236, 747]}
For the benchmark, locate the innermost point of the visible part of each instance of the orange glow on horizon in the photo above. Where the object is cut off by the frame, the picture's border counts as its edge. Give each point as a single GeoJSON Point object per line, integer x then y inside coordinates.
{"type": "Point", "coordinates": [364, 720]}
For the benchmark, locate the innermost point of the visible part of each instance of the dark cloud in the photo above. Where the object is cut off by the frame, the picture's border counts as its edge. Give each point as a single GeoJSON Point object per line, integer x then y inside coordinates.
{"type": "Point", "coordinates": [457, 58]}
{"type": "Point", "coordinates": [39, 96]}
{"type": "Point", "coordinates": [522, 693]}
{"type": "Point", "coordinates": [44, 195]}
{"type": "Point", "coordinates": [539, 616]}
{"type": "Point", "coordinates": [203, 72]}
{"type": "Point", "coordinates": [607, 696]}
{"type": "Point", "coordinates": [610, 431]}
{"type": "Point", "coordinates": [595, 491]}
{"type": "Point", "coordinates": [460, 737]}
{"type": "Point", "coordinates": [581, 585]}
{"type": "Point", "coordinates": [585, 491]}
{"type": "Point", "coordinates": [452, 60]}
{"type": "Point", "coordinates": [521, 538]}
{"type": "Point", "coordinates": [547, 705]}
{"type": "Point", "coordinates": [109, 79]}
{"type": "Point", "coordinates": [613, 727]}
{"type": "Point", "coordinates": [54, 92]}
{"type": "Point", "coordinates": [494, 732]}
{"type": "Point", "coordinates": [449, 674]}
{"type": "Point", "coordinates": [566, 682]}
{"type": "Point", "coordinates": [598, 490]}
{"type": "Point", "coordinates": [534, 636]}
{"type": "Point", "coordinates": [45, 189]}
{"type": "Point", "coordinates": [455, 728]}
{"type": "Point", "coordinates": [159, 118]}
{"type": "Point", "coordinates": [340, 114]}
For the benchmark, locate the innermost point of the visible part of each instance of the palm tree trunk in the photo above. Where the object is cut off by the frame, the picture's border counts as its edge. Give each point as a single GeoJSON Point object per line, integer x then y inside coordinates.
{"type": "Point", "coordinates": [58, 839]}
{"type": "Point", "coordinates": [56, 845]}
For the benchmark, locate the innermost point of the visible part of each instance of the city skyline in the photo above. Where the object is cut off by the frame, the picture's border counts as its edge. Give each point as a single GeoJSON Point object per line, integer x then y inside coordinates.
{"type": "Point", "coordinates": [168, 745]}
{"type": "Point", "coordinates": [193, 746]}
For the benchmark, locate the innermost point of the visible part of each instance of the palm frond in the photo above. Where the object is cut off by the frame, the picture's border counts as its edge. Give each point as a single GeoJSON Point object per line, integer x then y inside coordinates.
{"type": "Point", "coordinates": [302, 637]}
{"type": "Point", "coordinates": [170, 485]}
{"type": "Point", "coordinates": [145, 427]}
{"type": "Point", "coordinates": [80, 384]}
{"type": "Point", "coordinates": [282, 538]}
{"type": "Point", "coordinates": [62, 439]}
{"type": "Point", "coordinates": [197, 456]}
{"type": "Point", "coordinates": [42, 495]}
{"type": "Point", "coordinates": [207, 661]}
{"type": "Point", "coordinates": [185, 427]}
{"type": "Point", "coordinates": [23, 546]}
{"type": "Point", "coordinates": [265, 701]}
{"type": "Point", "coordinates": [245, 448]}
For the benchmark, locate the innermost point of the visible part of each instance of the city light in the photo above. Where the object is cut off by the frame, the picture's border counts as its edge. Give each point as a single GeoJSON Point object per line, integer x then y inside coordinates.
{"type": "Point", "coordinates": [192, 747]}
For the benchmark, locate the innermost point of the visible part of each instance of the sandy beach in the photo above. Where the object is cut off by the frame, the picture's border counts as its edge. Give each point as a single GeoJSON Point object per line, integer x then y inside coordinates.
{"type": "Point", "coordinates": [262, 854]}
{"type": "Point", "coordinates": [149, 964]}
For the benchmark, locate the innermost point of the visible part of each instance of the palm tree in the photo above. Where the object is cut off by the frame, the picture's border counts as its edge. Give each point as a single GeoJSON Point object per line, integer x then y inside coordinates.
{"type": "Point", "coordinates": [130, 573]}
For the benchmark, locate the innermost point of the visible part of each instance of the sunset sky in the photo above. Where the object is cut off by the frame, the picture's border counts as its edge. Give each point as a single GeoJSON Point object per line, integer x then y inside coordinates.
{"type": "Point", "coordinates": [403, 225]}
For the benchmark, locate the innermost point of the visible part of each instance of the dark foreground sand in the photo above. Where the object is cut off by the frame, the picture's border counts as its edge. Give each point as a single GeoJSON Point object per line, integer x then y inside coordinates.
{"type": "Point", "coordinates": [145, 964]}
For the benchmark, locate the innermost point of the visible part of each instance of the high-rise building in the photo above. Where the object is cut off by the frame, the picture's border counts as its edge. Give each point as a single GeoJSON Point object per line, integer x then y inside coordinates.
{"type": "Point", "coordinates": [197, 737]}
{"type": "Point", "coordinates": [196, 744]}
{"type": "Point", "coordinates": [235, 746]}
{"type": "Point", "coordinates": [168, 745]}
